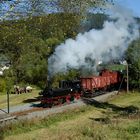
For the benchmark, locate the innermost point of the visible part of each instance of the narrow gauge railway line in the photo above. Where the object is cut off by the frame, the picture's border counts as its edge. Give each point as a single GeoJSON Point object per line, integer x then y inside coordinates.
{"type": "Point", "coordinates": [67, 92]}
{"type": "Point", "coordinates": [40, 112]}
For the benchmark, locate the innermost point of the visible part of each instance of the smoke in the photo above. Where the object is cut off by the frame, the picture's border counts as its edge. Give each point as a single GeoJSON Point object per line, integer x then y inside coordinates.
{"type": "Point", "coordinates": [96, 45]}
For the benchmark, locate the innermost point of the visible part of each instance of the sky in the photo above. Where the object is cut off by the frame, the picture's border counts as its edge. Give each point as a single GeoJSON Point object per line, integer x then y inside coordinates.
{"type": "Point", "coordinates": [134, 5]}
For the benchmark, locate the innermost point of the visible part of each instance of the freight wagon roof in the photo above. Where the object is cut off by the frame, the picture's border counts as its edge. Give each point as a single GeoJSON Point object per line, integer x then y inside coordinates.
{"type": "Point", "coordinates": [90, 77]}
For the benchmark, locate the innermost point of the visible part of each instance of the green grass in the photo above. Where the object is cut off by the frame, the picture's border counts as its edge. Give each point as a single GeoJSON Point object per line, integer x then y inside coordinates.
{"type": "Point", "coordinates": [18, 99]}
{"type": "Point", "coordinates": [127, 99]}
{"type": "Point", "coordinates": [26, 126]}
{"type": "Point", "coordinates": [119, 119]}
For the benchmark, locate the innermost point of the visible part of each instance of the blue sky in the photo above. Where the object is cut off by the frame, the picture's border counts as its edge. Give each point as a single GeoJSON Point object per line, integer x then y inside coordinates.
{"type": "Point", "coordinates": [131, 4]}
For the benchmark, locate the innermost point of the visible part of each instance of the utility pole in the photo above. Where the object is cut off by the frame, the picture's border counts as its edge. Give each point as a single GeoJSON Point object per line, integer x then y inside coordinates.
{"type": "Point", "coordinates": [8, 106]}
{"type": "Point", "coordinates": [8, 87]}
{"type": "Point", "coordinates": [127, 71]}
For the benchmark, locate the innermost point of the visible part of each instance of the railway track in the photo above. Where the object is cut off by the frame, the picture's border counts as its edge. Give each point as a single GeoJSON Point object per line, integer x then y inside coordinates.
{"type": "Point", "coordinates": [41, 112]}
{"type": "Point", "coordinates": [5, 118]}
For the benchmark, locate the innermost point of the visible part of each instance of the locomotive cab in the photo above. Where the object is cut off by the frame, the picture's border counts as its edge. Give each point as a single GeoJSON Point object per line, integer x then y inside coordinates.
{"type": "Point", "coordinates": [74, 84]}
{"type": "Point", "coordinates": [65, 86]}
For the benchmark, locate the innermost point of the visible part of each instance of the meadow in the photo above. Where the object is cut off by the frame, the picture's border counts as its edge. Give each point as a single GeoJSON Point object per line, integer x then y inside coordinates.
{"type": "Point", "coordinates": [117, 119]}
{"type": "Point", "coordinates": [18, 99]}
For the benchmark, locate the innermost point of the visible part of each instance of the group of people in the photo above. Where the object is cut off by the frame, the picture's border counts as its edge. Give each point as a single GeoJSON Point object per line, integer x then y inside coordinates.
{"type": "Point", "coordinates": [19, 90]}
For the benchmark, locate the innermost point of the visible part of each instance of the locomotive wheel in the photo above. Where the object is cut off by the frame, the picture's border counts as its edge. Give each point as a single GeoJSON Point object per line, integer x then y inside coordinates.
{"type": "Point", "coordinates": [60, 101]}
{"type": "Point", "coordinates": [68, 99]}
{"type": "Point", "coordinates": [63, 100]}
{"type": "Point", "coordinates": [72, 98]}
{"type": "Point", "coordinates": [45, 105]}
{"type": "Point", "coordinates": [50, 105]}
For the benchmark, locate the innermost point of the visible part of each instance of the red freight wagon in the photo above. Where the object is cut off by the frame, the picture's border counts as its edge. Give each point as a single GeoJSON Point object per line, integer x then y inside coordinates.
{"type": "Point", "coordinates": [105, 80]}
{"type": "Point", "coordinates": [93, 83]}
{"type": "Point", "coordinates": [114, 76]}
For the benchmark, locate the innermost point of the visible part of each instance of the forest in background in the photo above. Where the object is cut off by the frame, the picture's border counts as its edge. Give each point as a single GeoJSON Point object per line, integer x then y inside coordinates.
{"type": "Point", "coordinates": [27, 43]}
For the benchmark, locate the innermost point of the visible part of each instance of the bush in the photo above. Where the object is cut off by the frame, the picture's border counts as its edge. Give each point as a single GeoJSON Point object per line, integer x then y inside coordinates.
{"type": "Point", "coordinates": [2, 85]}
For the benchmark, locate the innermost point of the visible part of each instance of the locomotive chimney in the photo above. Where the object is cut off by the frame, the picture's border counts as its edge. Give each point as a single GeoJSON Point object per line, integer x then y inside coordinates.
{"type": "Point", "coordinates": [48, 84]}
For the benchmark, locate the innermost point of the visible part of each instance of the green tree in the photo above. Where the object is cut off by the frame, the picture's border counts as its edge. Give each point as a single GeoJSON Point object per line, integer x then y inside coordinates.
{"type": "Point", "coordinates": [29, 8]}
{"type": "Point", "coordinates": [80, 6]}
{"type": "Point", "coordinates": [31, 34]}
{"type": "Point", "coordinates": [133, 59]}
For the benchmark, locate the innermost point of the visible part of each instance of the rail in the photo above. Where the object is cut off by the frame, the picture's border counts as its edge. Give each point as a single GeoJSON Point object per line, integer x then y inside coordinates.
{"type": "Point", "coordinates": [7, 119]}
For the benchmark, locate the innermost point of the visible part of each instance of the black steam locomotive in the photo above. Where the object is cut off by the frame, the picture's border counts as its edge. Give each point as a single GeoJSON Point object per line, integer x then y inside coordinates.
{"type": "Point", "coordinates": [73, 90]}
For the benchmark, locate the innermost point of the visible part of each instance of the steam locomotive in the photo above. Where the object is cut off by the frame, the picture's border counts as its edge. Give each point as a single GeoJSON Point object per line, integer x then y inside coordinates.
{"type": "Point", "coordinates": [75, 89]}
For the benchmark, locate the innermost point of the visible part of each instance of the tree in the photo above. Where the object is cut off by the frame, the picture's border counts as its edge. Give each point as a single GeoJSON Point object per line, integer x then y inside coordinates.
{"type": "Point", "coordinates": [79, 6]}
{"type": "Point", "coordinates": [95, 21]}
{"type": "Point", "coordinates": [133, 59]}
{"type": "Point", "coordinates": [29, 35]}
{"type": "Point", "coordinates": [23, 9]}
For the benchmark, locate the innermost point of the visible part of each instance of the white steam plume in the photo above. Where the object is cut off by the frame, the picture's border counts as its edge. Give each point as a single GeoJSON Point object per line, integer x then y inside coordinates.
{"type": "Point", "coordinates": [105, 44]}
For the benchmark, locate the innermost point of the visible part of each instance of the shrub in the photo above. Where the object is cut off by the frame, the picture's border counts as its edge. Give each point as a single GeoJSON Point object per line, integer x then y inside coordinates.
{"type": "Point", "coordinates": [2, 85]}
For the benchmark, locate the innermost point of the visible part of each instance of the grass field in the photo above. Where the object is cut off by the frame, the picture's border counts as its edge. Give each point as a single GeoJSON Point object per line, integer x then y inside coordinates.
{"type": "Point", "coordinates": [18, 99]}
{"type": "Point", "coordinates": [119, 119]}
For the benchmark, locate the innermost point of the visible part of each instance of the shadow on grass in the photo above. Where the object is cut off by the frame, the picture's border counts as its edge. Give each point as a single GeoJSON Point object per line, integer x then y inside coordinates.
{"type": "Point", "coordinates": [105, 120]}
{"type": "Point", "coordinates": [1, 136]}
{"type": "Point", "coordinates": [35, 99]}
{"type": "Point", "coordinates": [1, 133]}
{"type": "Point", "coordinates": [127, 110]}
{"type": "Point", "coordinates": [39, 105]}
{"type": "Point", "coordinates": [130, 112]}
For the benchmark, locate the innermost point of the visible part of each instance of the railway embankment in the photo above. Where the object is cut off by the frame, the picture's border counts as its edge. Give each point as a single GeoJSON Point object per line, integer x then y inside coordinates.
{"type": "Point", "coordinates": [117, 118]}
{"type": "Point", "coordinates": [33, 110]}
